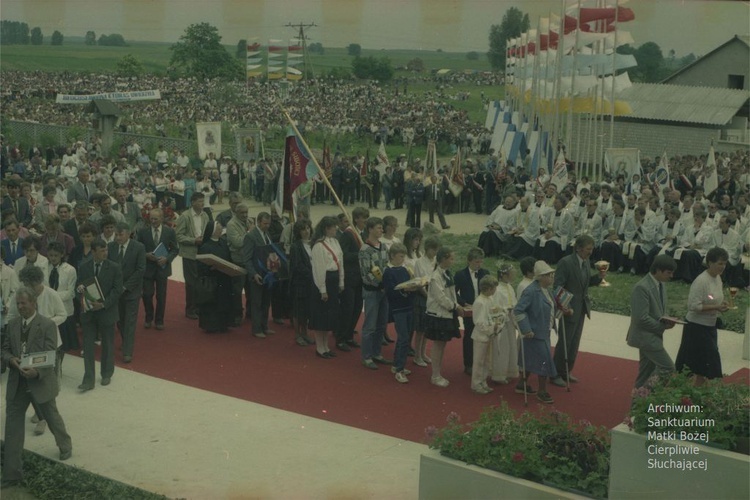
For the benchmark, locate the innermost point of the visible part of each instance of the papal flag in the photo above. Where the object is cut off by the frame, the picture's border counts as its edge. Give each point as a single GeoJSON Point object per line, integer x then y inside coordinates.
{"type": "Point", "coordinates": [382, 155]}
{"type": "Point", "coordinates": [560, 172]}
{"type": "Point", "coordinates": [209, 139]}
{"type": "Point", "coordinates": [711, 182]}
{"type": "Point", "coordinates": [661, 174]}
{"type": "Point", "coordinates": [623, 161]}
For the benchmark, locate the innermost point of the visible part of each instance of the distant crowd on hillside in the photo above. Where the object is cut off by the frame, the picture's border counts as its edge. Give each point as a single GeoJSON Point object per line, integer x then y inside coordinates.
{"type": "Point", "coordinates": [386, 112]}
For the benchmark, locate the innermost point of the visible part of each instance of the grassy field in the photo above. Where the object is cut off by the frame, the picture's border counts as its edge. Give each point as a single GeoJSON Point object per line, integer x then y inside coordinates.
{"type": "Point", "coordinates": [76, 56]}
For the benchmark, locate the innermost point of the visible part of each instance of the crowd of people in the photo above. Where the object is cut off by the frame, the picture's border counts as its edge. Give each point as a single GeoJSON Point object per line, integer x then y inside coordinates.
{"type": "Point", "coordinates": [331, 106]}
{"type": "Point", "coordinates": [79, 224]}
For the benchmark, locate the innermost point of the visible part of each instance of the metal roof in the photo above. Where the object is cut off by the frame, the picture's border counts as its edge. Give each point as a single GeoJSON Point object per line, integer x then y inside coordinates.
{"type": "Point", "coordinates": [682, 103]}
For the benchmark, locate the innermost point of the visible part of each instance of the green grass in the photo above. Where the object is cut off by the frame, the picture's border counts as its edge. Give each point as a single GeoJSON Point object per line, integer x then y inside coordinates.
{"type": "Point", "coordinates": [616, 298]}
{"type": "Point", "coordinates": [79, 57]}
{"type": "Point", "coordinates": [76, 56]}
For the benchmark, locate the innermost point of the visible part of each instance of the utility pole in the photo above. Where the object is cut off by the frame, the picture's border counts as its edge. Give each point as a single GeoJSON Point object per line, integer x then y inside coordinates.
{"type": "Point", "coordinates": [305, 57]}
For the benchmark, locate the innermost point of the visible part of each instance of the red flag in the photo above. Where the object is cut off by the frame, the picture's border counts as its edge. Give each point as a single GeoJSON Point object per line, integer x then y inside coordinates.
{"type": "Point", "coordinates": [296, 158]}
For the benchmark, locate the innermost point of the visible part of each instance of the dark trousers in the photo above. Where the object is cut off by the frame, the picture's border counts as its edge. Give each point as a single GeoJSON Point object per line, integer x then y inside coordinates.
{"type": "Point", "coordinates": [15, 430]}
{"type": "Point", "coordinates": [468, 344]}
{"type": "Point", "coordinates": [260, 302]}
{"type": "Point", "coordinates": [128, 316]}
{"type": "Point", "coordinates": [414, 215]}
{"type": "Point", "coordinates": [240, 283]}
{"type": "Point", "coordinates": [69, 335]}
{"type": "Point", "coordinates": [573, 326]}
{"type": "Point", "coordinates": [96, 323]}
{"type": "Point", "coordinates": [281, 302]}
{"type": "Point", "coordinates": [159, 287]}
{"type": "Point", "coordinates": [190, 272]}
{"type": "Point", "coordinates": [351, 309]}
{"type": "Point", "coordinates": [436, 206]}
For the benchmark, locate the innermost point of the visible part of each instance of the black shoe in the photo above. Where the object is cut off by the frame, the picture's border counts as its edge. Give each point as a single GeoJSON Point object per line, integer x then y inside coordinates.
{"type": "Point", "coordinates": [331, 354]}
{"type": "Point", "coordinates": [529, 389]}
{"type": "Point", "coordinates": [558, 381]}
{"type": "Point", "coordinates": [64, 455]}
{"type": "Point", "coordinates": [85, 387]}
{"type": "Point", "coordinates": [381, 360]}
{"type": "Point", "coordinates": [106, 380]}
{"type": "Point", "coordinates": [324, 355]}
{"type": "Point", "coordinates": [343, 346]}
{"type": "Point", "coordinates": [352, 343]}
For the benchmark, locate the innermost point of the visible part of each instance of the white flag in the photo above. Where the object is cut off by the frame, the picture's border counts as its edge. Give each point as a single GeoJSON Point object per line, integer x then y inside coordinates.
{"type": "Point", "coordinates": [711, 179]}
{"type": "Point", "coordinates": [560, 172]}
{"type": "Point", "coordinates": [382, 155]}
{"type": "Point", "coordinates": [661, 175]}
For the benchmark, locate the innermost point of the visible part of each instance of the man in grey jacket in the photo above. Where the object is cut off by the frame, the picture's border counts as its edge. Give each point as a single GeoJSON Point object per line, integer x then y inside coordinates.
{"type": "Point", "coordinates": [648, 305]}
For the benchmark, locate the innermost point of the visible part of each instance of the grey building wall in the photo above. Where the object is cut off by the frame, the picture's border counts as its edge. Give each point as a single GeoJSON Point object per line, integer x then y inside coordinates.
{"type": "Point", "coordinates": [714, 69]}
{"type": "Point", "coordinates": [652, 138]}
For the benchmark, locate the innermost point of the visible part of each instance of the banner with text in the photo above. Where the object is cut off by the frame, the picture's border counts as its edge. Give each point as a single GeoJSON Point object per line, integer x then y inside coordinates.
{"type": "Point", "coordinates": [139, 95]}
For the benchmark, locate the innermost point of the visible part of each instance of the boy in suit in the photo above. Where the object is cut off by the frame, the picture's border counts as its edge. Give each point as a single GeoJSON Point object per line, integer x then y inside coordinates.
{"type": "Point", "coordinates": [131, 256]}
{"type": "Point", "coordinates": [158, 269]}
{"type": "Point", "coordinates": [13, 245]}
{"type": "Point", "coordinates": [648, 303]}
{"type": "Point", "coordinates": [103, 315]}
{"type": "Point", "coordinates": [467, 290]}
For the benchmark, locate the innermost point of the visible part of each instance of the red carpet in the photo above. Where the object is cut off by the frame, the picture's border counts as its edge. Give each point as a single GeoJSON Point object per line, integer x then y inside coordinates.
{"type": "Point", "coordinates": [278, 373]}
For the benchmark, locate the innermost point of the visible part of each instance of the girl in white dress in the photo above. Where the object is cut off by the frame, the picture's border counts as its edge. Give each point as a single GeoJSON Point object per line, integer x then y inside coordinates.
{"type": "Point", "coordinates": [504, 347]}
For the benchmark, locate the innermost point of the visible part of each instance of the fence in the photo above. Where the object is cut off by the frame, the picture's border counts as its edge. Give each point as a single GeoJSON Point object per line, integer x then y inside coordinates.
{"type": "Point", "coordinates": [43, 135]}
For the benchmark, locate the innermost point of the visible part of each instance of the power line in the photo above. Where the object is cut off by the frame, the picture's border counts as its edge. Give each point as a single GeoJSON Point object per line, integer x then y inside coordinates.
{"type": "Point", "coordinates": [306, 64]}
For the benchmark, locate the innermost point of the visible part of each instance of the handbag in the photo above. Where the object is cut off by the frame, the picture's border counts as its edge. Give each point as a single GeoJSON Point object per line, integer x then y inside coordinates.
{"type": "Point", "coordinates": [205, 289]}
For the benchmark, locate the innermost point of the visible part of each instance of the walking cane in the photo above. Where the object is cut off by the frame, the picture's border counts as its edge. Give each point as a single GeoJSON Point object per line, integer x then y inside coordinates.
{"type": "Point", "coordinates": [565, 345]}
{"type": "Point", "coordinates": [523, 360]}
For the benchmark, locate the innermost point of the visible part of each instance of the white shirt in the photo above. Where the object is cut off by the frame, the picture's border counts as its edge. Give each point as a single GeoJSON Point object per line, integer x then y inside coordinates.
{"type": "Point", "coordinates": [197, 222]}
{"type": "Point", "coordinates": [323, 261]}
{"type": "Point", "coordinates": [41, 262]}
{"type": "Point", "coordinates": [66, 285]}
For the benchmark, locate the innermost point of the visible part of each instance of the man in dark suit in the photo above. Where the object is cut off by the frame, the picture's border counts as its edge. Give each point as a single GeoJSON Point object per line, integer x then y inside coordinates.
{"type": "Point", "coordinates": [12, 244]}
{"type": "Point", "coordinates": [82, 189]}
{"type": "Point", "coordinates": [29, 332]}
{"type": "Point", "coordinates": [648, 304]}
{"type": "Point", "coordinates": [351, 298]}
{"type": "Point", "coordinates": [434, 195]}
{"type": "Point", "coordinates": [467, 290]}
{"type": "Point", "coordinates": [260, 295]}
{"type": "Point", "coordinates": [573, 273]}
{"type": "Point", "coordinates": [131, 256]}
{"type": "Point", "coordinates": [158, 269]}
{"type": "Point", "coordinates": [80, 217]}
{"type": "Point", "coordinates": [15, 202]}
{"type": "Point", "coordinates": [102, 316]}
{"type": "Point", "coordinates": [128, 209]}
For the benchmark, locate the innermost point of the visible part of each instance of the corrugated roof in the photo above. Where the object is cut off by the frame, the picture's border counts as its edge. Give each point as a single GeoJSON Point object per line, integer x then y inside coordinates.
{"type": "Point", "coordinates": [682, 103]}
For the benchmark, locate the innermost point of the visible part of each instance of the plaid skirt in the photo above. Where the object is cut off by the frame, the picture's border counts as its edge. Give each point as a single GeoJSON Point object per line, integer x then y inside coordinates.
{"type": "Point", "coordinates": [441, 329]}
{"type": "Point", "coordinates": [420, 308]}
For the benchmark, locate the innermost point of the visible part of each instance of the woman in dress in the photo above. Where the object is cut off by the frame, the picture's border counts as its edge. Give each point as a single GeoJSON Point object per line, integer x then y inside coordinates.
{"type": "Point", "coordinates": [504, 350]}
{"type": "Point", "coordinates": [328, 277]}
{"type": "Point", "coordinates": [302, 279]}
{"type": "Point", "coordinates": [535, 314]}
{"type": "Point", "coordinates": [215, 316]}
{"type": "Point", "coordinates": [423, 267]}
{"type": "Point", "coordinates": [441, 318]}
{"type": "Point", "coordinates": [699, 349]}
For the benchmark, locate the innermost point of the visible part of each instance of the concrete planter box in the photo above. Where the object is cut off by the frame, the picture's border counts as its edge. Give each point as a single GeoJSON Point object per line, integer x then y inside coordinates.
{"type": "Point", "coordinates": [630, 475]}
{"type": "Point", "coordinates": [444, 478]}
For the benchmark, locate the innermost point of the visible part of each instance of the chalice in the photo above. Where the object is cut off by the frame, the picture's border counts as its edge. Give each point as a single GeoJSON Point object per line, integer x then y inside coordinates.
{"type": "Point", "coordinates": [732, 294]}
{"type": "Point", "coordinates": [602, 266]}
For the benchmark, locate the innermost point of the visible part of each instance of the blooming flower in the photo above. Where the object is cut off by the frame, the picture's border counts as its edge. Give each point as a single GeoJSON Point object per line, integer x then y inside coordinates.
{"type": "Point", "coordinates": [430, 432]}
{"type": "Point", "coordinates": [518, 456]}
{"type": "Point", "coordinates": [497, 438]}
{"type": "Point", "coordinates": [584, 422]}
{"type": "Point", "coordinates": [453, 417]}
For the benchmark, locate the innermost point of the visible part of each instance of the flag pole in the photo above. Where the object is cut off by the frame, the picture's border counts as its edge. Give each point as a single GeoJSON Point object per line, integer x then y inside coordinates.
{"type": "Point", "coordinates": [315, 160]}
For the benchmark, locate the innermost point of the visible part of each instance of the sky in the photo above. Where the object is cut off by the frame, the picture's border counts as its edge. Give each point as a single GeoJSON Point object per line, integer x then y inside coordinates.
{"type": "Point", "coordinates": [687, 26]}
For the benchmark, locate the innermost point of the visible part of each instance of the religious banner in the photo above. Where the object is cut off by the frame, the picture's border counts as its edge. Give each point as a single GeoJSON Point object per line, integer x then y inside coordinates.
{"type": "Point", "coordinates": [248, 143]}
{"type": "Point", "coordinates": [661, 174]}
{"type": "Point", "coordinates": [140, 95]}
{"type": "Point", "coordinates": [623, 161]}
{"type": "Point", "coordinates": [298, 159]}
{"type": "Point", "coordinates": [209, 139]}
{"type": "Point", "coordinates": [560, 172]}
{"type": "Point", "coordinates": [711, 182]}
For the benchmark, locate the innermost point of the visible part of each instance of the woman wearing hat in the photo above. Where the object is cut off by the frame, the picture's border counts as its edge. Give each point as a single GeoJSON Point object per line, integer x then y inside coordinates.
{"type": "Point", "coordinates": [535, 314]}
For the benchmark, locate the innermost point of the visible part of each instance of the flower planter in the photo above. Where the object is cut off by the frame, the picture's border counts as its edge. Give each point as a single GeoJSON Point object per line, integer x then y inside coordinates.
{"type": "Point", "coordinates": [632, 476]}
{"type": "Point", "coordinates": [444, 478]}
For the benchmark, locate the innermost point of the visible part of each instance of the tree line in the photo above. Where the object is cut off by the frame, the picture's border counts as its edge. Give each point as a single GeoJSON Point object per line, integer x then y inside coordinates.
{"type": "Point", "coordinates": [18, 33]}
